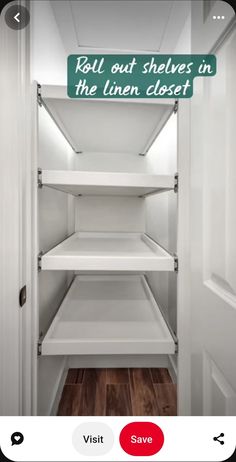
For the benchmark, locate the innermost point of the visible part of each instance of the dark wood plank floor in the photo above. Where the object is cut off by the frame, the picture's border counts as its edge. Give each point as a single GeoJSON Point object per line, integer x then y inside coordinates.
{"type": "Point", "coordinates": [118, 392]}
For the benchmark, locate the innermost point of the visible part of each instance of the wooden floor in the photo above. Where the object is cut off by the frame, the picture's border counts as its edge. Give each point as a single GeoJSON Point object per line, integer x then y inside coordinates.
{"type": "Point", "coordinates": [118, 392]}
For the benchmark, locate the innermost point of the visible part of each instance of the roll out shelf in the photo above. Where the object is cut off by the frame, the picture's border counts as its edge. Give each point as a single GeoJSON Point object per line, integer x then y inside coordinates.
{"type": "Point", "coordinates": [103, 183]}
{"type": "Point", "coordinates": [108, 315]}
{"type": "Point", "coordinates": [91, 251]}
{"type": "Point", "coordinates": [96, 125]}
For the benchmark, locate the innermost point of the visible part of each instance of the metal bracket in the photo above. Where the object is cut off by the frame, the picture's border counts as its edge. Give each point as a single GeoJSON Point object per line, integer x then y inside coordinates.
{"type": "Point", "coordinates": [176, 185]}
{"type": "Point", "coordinates": [40, 184]}
{"type": "Point", "coordinates": [176, 263]}
{"type": "Point", "coordinates": [39, 350]}
{"type": "Point", "coordinates": [39, 346]}
{"type": "Point", "coordinates": [176, 346]}
{"type": "Point", "coordinates": [39, 261]}
{"type": "Point", "coordinates": [176, 106]}
{"type": "Point", "coordinates": [39, 95]}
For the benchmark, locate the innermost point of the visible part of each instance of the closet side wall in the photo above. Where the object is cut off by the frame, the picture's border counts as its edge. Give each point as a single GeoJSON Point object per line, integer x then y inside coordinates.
{"type": "Point", "coordinates": [161, 215]}
{"type": "Point", "coordinates": [53, 153]}
{"type": "Point", "coordinates": [54, 219]}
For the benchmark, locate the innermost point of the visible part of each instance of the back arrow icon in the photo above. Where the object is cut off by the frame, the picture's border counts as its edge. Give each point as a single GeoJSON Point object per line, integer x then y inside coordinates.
{"type": "Point", "coordinates": [16, 17]}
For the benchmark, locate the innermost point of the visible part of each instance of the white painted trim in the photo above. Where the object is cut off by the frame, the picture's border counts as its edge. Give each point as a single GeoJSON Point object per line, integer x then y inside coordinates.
{"type": "Point", "coordinates": [24, 154]}
{"type": "Point", "coordinates": [116, 361]}
{"type": "Point", "coordinates": [173, 368]}
{"type": "Point", "coordinates": [15, 335]}
{"type": "Point", "coordinates": [34, 248]}
{"type": "Point", "coordinates": [59, 388]}
{"type": "Point", "coordinates": [183, 252]}
{"type": "Point", "coordinates": [26, 257]}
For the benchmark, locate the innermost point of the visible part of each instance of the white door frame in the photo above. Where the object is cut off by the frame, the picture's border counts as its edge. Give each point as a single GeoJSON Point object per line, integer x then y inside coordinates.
{"type": "Point", "coordinates": [183, 252]}
{"type": "Point", "coordinates": [15, 193]}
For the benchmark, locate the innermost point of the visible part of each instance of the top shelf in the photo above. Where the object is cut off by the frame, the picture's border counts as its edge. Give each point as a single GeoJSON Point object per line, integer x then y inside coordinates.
{"type": "Point", "coordinates": [102, 183]}
{"type": "Point", "coordinates": [111, 126]}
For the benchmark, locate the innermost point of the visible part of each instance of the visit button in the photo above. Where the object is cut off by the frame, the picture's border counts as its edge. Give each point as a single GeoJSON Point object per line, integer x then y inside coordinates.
{"type": "Point", "coordinates": [141, 439]}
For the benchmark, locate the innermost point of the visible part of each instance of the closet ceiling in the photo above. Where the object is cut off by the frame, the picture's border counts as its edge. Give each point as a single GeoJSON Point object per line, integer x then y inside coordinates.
{"type": "Point", "coordinates": [145, 26]}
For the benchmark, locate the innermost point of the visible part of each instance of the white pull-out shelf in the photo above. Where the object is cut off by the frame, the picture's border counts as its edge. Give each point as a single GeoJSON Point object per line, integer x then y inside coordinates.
{"type": "Point", "coordinates": [108, 315]}
{"type": "Point", "coordinates": [102, 183]}
{"type": "Point", "coordinates": [86, 251]}
{"type": "Point", "coordinates": [117, 126]}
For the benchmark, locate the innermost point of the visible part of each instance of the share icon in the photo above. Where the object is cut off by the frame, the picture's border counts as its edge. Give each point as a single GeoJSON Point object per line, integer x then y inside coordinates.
{"type": "Point", "coordinates": [217, 438]}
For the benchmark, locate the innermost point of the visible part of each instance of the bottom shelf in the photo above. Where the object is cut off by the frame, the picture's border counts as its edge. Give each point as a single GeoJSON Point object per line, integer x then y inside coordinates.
{"type": "Point", "coordinates": [108, 315]}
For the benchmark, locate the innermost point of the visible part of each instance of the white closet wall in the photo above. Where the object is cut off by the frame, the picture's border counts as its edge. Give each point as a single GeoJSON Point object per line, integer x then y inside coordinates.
{"type": "Point", "coordinates": [111, 162]}
{"type": "Point", "coordinates": [101, 213]}
{"type": "Point", "coordinates": [47, 50]}
{"type": "Point", "coordinates": [110, 213]}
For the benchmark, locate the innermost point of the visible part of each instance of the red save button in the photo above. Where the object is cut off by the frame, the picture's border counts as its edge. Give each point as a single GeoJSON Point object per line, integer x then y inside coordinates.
{"type": "Point", "coordinates": [141, 439]}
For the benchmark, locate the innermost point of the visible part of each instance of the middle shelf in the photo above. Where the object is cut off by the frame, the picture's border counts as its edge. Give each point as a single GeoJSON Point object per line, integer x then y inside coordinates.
{"type": "Point", "coordinates": [92, 251]}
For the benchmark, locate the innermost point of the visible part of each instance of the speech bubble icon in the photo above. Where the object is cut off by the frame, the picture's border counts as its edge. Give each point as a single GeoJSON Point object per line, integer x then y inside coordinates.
{"type": "Point", "coordinates": [17, 438]}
